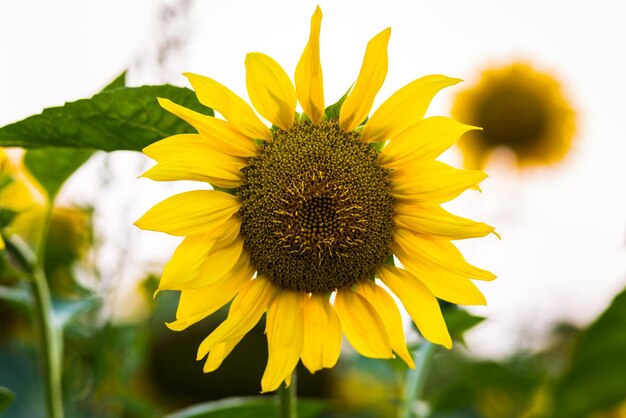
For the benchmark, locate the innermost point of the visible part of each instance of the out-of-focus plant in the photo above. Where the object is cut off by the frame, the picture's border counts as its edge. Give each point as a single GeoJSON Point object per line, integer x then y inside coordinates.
{"type": "Point", "coordinates": [519, 108]}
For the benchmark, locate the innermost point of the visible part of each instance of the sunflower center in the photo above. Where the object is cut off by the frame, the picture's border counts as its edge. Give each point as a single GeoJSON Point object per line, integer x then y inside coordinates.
{"type": "Point", "coordinates": [316, 213]}
{"type": "Point", "coordinates": [513, 116]}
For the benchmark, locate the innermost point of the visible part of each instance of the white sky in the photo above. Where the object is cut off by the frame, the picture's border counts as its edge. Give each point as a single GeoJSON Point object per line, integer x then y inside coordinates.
{"type": "Point", "coordinates": [562, 253]}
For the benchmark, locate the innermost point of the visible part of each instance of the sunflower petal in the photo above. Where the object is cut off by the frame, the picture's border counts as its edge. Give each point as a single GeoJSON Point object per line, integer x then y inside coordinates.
{"type": "Point", "coordinates": [361, 325]}
{"type": "Point", "coordinates": [245, 311]}
{"type": "Point", "coordinates": [197, 160]}
{"type": "Point", "coordinates": [284, 338]}
{"type": "Point", "coordinates": [219, 354]}
{"type": "Point", "coordinates": [187, 260]}
{"type": "Point", "coordinates": [441, 254]}
{"type": "Point", "coordinates": [371, 77]}
{"type": "Point", "coordinates": [218, 134]}
{"type": "Point", "coordinates": [196, 304]}
{"type": "Point", "coordinates": [388, 311]}
{"type": "Point", "coordinates": [425, 140]}
{"type": "Point", "coordinates": [432, 181]}
{"type": "Point", "coordinates": [322, 334]}
{"type": "Point", "coordinates": [419, 302]}
{"type": "Point", "coordinates": [404, 108]}
{"type": "Point", "coordinates": [444, 284]}
{"type": "Point", "coordinates": [436, 221]}
{"type": "Point", "coordinates": [270, 90]}
{"type": "Point", "coordinates": [190, 213]}
{"type": "Point", "coordinates": [217, 96]}
{"type": "Point", "coordinates": [308, 77]}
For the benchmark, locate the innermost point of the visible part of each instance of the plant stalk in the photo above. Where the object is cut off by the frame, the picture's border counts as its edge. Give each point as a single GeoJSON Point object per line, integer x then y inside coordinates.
{"type": "Point", "coordinates": [415, 380]}
{"type": "Point", "coordinates": [288, 399]}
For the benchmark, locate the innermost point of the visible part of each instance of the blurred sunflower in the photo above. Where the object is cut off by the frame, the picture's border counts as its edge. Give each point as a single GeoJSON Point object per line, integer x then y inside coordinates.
{"type": "Point", "coordinates": [315, 209]}
{"type": "Point", "coordinates": [21, 203]}
{"type": "Point", "coordinates": [520, 109]}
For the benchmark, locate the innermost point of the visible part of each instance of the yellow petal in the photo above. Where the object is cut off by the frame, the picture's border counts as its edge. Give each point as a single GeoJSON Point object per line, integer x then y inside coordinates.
{"type": "Point", "coordinates": [308, 77]}
{"type": "Point", "coordinates": [196, 304]}
{"type": "Point", "coordinates": [245, 311]}
{"type": "Point", "coordinates": [270, 90]}
{"type": "Point", "coordinates": [444, 284]}
{"type": "Point", "coordinates": [386, 308]}
{"type": "Point", "coordinates": [218, 97]}
{"type": "Point", "coordinates": [219, 134]}
{"type": "Point", "coordinates": [195, 170]}
{"type": "Point", "coordinates": [404, 108]}
{"type": "Point", "coordinates": [194, 161]}
{"type": "Point", "coordinates": [190, 213]}
{"type": "Point", "coordinates": [437, 222]}
{"type": "Point", "coordinates": [432, 181]}
{"type": "Point", "coordinates": [438, 254]}
{"type": "Point", "coordinates": [419, 302]}
{"type": "Point", "coordinates": [361, 325]}
{"type": "Point", "coordinates": [219, 354]}
{"type": "Point", "coordinates": [186, 262]}
{"type": "Point", "coordinates": [322, 334]}
{"type": "Point", "coordinates": [284, 337]}
{"type": "Point", "coordinates": [371, 77]}
{"type": "Point", "coordinates": [425, 140]}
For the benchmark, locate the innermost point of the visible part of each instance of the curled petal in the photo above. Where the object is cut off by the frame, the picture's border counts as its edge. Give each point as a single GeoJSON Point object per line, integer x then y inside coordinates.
{"type": "Point", "coordinates": [371, 77]}
{"type": "Point", "coordinates": [270, 90]}
{"type": "Point", "coordinates": [308, 77]}
{"type": "Point", "coordinates": [217, 96]}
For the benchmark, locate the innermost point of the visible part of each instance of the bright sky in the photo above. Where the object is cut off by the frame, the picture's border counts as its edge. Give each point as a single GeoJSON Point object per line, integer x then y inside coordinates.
{"type": "Point", "coordinates": [562, 253]}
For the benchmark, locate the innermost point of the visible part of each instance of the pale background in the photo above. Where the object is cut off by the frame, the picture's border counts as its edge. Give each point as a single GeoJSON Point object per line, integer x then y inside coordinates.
{"type": "Point", "coordinates": [562, 255]}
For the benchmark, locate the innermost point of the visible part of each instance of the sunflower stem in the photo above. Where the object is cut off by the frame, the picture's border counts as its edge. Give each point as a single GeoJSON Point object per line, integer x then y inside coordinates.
{"type": "Point", "coordinates": [50, 344]}
{"type": "Point", "coordinates": [288, 399]}
{"type": "Point", "coordinates": [415, 379]}
{"type": "Point", "coordinates": [49, 336]}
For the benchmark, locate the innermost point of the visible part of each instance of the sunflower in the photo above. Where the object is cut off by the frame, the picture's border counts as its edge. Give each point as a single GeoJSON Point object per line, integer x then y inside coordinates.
{"type": "Point", "coordinates": [21, 203]}
{"type": "Point", "coordinates": [317, 208]}
{"type": "Point", "coordinates": [520, 109]}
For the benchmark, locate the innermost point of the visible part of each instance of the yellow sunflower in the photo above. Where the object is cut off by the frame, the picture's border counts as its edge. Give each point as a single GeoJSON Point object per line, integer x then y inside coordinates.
{"type": "Point", "coordinates": [21, 203]}
{"type": "Point", "coordinates": [520, 109]}
{"type": "Point", "coordinates": [317, 212]}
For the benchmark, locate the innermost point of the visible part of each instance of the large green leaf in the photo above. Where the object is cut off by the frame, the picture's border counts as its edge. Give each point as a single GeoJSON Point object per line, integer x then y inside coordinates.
{"type": "Point", "coordinates": [118, 119]}
{"type": "Point", "coordinates": [52, 166]}
{"type": "Point", "coordinates": [65, 312]}
{"type": "Point", "coordinates": [250, 407]}
{"type": "Point", "coordinates": [459, 321]}
{"type": "Point", "coordinates": [6, 398]}
{"type": "Point", "coordinates": [596, 378]}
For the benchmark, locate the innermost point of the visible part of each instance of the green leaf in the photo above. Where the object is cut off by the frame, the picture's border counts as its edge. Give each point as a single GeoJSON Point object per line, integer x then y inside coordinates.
{"type": "Point", "coordinates": [119, 82]}
{"type": "Point", "coordinates": [119, 119]}
{"type": "Point", "coordinates": [16, 295]}
{"type": "Point", "coordinates": [52, 166]}
{"type": "Point", "coordinates": [460, 321]}
{"type": "Point", "coordinates": [596, 377]}
{"type": "Point", "coordinates": [7, 397]}
{"type": "Point", "coordinates": [332, 111]}
{"type": "Point", "coordinates": [65, 312]}
{"type": "Point", "coordinates": [6, 217]}
{"type": "Point", "coordinates": [249, 407]}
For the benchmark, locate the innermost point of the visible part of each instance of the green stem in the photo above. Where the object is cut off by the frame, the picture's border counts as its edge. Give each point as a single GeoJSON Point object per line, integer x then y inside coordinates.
{"type": "Point", "coordinates": [288, 399]}
{"type": "Point", "coordinates": [415, 379]}
{"type": "Point", "coordinates": [50, 344]}
{"type": "Point", "coordinates": [49, 337]}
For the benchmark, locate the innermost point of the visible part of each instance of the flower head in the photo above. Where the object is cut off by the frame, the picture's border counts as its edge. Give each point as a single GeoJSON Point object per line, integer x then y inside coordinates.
{"type": "Point", "coordinates": [520, 109]}
{"type": "Point", "coordinates": [316, 206]}
{"type": "Point", "coordinates": [21, 202]}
